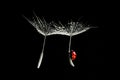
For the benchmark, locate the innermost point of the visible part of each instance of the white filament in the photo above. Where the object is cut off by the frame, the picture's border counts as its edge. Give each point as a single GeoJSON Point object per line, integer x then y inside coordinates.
{"type": "Point", "coordinates": [41, 56]}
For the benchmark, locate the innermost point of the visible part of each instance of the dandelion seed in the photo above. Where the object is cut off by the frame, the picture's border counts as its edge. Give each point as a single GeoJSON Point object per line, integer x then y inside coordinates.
{"type": "Point", "coordinates": [48, 29]}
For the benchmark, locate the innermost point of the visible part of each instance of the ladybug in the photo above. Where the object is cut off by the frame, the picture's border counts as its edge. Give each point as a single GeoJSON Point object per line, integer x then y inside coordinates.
{"type": "Point", "coordinates": [73, 55]}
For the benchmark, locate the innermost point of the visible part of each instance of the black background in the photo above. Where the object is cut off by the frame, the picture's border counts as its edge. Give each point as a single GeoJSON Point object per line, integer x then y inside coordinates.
{"type": "Point", "coordinates": [26, 45]}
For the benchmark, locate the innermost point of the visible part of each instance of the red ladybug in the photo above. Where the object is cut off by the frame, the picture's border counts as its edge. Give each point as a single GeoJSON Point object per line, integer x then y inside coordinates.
{"type": "Point", "coordinates": [73, 55]}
